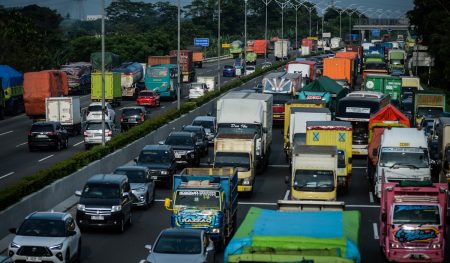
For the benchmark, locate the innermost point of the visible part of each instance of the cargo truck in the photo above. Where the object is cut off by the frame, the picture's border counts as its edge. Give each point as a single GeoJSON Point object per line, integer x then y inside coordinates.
{"type": "Point", "coordinates": [356, 61]}
{"type": "Point", "coordinates": [205, 198]}
{"type": "Point", "coordinates": [305, 67]}
{"type": "Point", "coordinates": [260, 47]}
{"type": "Point", "coordinates": [334, 133]}
{"type": "Point", "coordinates": [324, 89]}
{"type": "Point", "coordinates": [251, 58]}
{"type": "Point", "coordinates": [428, 105]}
{"type": "Point", "coordinates": [396, 61]}
{"type": "Point", "coordinates": [79, 77]}
{"type": "Point", "coordinates": [197, 58]}
{"type": "Point", "coordinates": [111, 61]}
{"type": "Point", "coordinates": [403, 155]}
{"type": "Point", "coordinates": [443, 134]}
{"type": "Point", "coordinates": [413, 221]}
{"type": "Point", "coordinates": [113, 89]}
{"type": "Point", "coordinates": [238, 151]}
{"type": "Point", "coordinates": [161, 60]}
{"type": "Point", "coordinates": [163, 77]}
{"type": "Point", "coordinates": [236, 48]}
{"type": "Point", "coordinates": [282, 47]}
{"type": "Point", "coordinates": [130, 74]}
{"type": "Point", "coordinates": [11, 91]}
{"type": "Point", "coordinates": [299, 231]}
{"type": "Point", "coordinates": [409, 87]}
{"type": "Point", "coordinates": [386, 84]}
{"type": "Point", "coordinates": [39, 85]}
{"type": "Point", "coordinates": [65, 110]}
{"type": "Point", "coordinates": [210, 82]}
{"type": "Point", "coordinates": [248, 113]}
{"type": "Point", "coordinates": [339, 69]}
{"type": "Point", "coordinates": [186, 65]}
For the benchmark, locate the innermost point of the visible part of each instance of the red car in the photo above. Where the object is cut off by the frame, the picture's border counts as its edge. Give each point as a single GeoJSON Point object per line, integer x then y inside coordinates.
{"type": "Point", "coordinates": [148, 98]}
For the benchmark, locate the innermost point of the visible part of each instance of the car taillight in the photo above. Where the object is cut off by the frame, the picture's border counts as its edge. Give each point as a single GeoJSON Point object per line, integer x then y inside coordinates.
{"type": "Point", "coordinates": [142, 117]}
{"type": "Point", "coordinates": [121, 118]}
{"type": "Point", "coordinates": [52, 133]}
{"type": "Point", "coordinates": [109, 133]}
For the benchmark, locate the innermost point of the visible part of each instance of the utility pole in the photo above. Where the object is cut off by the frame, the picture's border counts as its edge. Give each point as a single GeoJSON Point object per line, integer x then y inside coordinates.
{"type": "Point", "coordinates": [178, 60]}
{"type": "Point", "coordinates": [282, 5]}
{"type": "Point", "coordinates": [218, 46]}
{"type": "Point", "coordinates": [266, 2]}
{"type": "Point", "coordinates": [245, 37]}
{"type": "Point", "coordinates": [103, 73]}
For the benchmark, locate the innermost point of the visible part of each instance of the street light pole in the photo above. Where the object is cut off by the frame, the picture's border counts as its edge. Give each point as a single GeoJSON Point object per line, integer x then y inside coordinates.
{"type": "Point", "coordinates": [103, 73]}
{"type": "Point", "coordinates": [218, 46]}
{"type": "Point", "coordinates": [178, 60]}
{"type": "Point", "coordinates": [282, 5]}
{"type": "Point", "coordinates": [266, 2]}
{"type": "Point", "coordinates": [245, 36]}
{"type": "Point", "coordinates": [308, 7]}
{"type": "Point", "coordinates": [296, 7]}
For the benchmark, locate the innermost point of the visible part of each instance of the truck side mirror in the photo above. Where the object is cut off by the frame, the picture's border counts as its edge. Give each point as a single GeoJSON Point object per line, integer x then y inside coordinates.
{"type": "Point", "coordinates": [375, 152]}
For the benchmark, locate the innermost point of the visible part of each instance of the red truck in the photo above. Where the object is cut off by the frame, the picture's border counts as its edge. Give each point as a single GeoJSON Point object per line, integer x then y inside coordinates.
{"type": "Point", "coordinates": [306, 67]}
{"type": "Point", "coordinates": [413, 221]}
{"type": "Point", "coordinates": [261, 47]}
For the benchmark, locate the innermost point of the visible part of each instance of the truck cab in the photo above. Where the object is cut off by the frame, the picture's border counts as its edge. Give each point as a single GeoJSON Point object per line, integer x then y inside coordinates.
{"type": "Point", "coordinates": [162, 77]}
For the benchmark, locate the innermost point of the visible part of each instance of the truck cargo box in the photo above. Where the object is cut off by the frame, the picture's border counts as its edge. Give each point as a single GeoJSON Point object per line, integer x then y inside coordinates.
{"type": "Point", "coordinates": [161, 60]}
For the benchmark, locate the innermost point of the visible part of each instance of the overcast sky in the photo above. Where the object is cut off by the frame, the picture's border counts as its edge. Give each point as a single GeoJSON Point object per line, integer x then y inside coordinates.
{"type": "Point", "coordinates": [92, 7]}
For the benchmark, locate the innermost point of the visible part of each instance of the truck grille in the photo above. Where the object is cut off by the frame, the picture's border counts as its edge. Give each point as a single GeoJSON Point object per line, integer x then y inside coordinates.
{"type": "Point", "coordinates": [98, 211]}
{"type": "Point", "coordinates": [155, 172]}
{"type": "Point", "coordinates": [32, 251]}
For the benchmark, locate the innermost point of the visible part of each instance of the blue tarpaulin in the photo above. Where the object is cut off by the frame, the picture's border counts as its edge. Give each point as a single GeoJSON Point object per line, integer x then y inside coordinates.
{"type": "Point", "coordinates": [10, 77]}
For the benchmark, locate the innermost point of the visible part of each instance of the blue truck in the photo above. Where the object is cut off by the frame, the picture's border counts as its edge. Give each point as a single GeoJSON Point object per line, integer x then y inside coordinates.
{"type": "Point", "coordinates": [205, 198]}
{"type": "Point", "coordinates": [11, 91]}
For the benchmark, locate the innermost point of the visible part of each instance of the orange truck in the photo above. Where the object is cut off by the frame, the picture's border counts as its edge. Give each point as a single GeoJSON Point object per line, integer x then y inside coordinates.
{"type": "Point", "coordinates": [40, 85]}
{"type": "Point", "coordinates": [260, 47]}
{"type": "Point", "coordinates": [161, 60]}
{"type": "Point", "coordinates": [339, 69]}
{"type": "Point", "coordinates": [354, 56]}
{"type": "Point", "coordinates": [197, 58]}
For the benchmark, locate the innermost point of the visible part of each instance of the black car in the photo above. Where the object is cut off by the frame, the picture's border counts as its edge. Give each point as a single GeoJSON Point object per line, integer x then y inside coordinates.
{"type": "Point", "coordinates": [105, 201]}
{"type": "Point", "coordinates": [160, 160]}
{"type": "Point", "coordinates": [47, 135]}
{"type": "Point", "coordinates": [132, 116]}
{"type": "Point", "coordinates": [185, 146]}
{"type": "Point", "coordinates": [200, 136]}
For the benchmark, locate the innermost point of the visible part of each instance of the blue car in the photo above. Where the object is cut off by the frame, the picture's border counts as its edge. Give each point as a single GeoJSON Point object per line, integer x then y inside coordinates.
{"type": "Point", "coordinates": [229, 71]}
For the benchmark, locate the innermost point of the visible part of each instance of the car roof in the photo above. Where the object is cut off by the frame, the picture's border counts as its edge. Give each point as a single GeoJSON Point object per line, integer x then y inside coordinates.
{"type": "Point", "coordinates": [132, 167]}
{"type": "Point", "coordinates": [44, 123]}
{"type": "Point", "coordinates": [182, 133]}
{"type": "Point", "coordinates": [47, 215]}
{"type": "Point", "coordinates": [107, 178]}
{"type": "Point", "coordinates": [97, 103]}
{"type": "Point", "coordinates": [182, 231]}
{"type": "Point", "coordinates": [192, 127]}
{"type": "Point", "coordinates": [157, 147]}
{"type": "Point", "coordinates": [205, 118]}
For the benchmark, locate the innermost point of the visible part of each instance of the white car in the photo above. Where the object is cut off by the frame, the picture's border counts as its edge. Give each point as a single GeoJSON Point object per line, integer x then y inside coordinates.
{"type": "Point", "coordinates": [196, 90]}
{"type": "Point", "coordinates": [94, 112]}
{"type": "Point", "coordinates": [46, 237]}
{"type": "Point", "coordinates": [249, 70]}
{"type": "Point", "coordinates": [93, 133]}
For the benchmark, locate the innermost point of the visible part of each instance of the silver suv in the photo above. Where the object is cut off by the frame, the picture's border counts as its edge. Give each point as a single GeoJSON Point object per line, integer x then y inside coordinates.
{"type": "Point", "coordinates": [46, 237]}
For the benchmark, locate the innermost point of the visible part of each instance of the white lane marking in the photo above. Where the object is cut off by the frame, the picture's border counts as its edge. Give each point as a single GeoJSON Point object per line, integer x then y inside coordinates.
{"type": "Point", "coordinates": [18, 145]}
{"type": "Point", "coordinates": [45, 158]}
{"type": "Point", "coordinates": [279, 165]}
{"type": "Point", "coordinates": [6, 175]}
{"type": "Point", "coordinates": [375, 231]}
{"type": "Point", "coordinates": [78, 143]}
{"type": "Point", "coordinates": [371, 197]}
{"type": "Point", "coordinates": [5, 133]}
{"type": "Point", "coordinates": [142, 261]}
{"type": "Point", "coordinates": [162, 107]}
{"type": "Point", "coordinates": [287, 195]}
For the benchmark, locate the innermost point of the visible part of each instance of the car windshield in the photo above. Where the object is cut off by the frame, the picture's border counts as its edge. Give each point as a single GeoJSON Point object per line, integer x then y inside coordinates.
{"type": "Point", "coordinates": [131, 112]}
{"type": "Point", "coordinates": [157, 72]}
{"type": "Point", "coordinates": [228, 67]}
{"type": "Point", "coordinates": [228, 159]}
{"type": "Point", "coordinates": [314, 181]}
{"type": "Point", "coordinates": [154, 157]}
{"type": "Point", "coordinates": [396, 157]}
{"type": "Point", "coordinates": [96, 126]}
{"type": "Point", "coordinates": [42, 228]}
{"type": "Point", "coordinates": [178, 244]}
{"type": "Point", "coordinates": [180, 140]}
{"type": "Point", "coordinates": [134, 176]}
{"type": "Point", "coordinates": [42, 128]}
{"type": "Point", "coordinates": [102, 191]}
{"type": "Point", "coordinates": [204, 124]}
{"type": "Point", "coordinates": [95, 108]}
{"type": "Point", "coordinates": [198, 199]}
{"type": "Point", "coordinates": [416, 214]}
{"type": "Point", "coordinates": [145, 94]}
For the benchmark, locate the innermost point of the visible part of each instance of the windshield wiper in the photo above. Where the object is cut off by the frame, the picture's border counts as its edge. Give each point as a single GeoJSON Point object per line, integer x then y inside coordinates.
{"type": "Point", "coordinates": [404, 164]}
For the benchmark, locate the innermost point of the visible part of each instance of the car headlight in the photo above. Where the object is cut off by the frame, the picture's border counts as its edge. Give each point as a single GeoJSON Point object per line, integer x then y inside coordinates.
{"type": "Point", "coordinates": [164, 172]}
{"type": "Point", "coordinates": [215, 230]}
{"type": "Point", "coordinates": [116, 208]}
{"type": "Point", "coordinates": [246, 181]}
{"type": "Point", "coordinates": [56, 247]}
{"type": "Point", "coordinates": [14, 245]}
{"type": "Point", "coordinates": [436, 245]}
{"type": "Point", "coordinates": [81, 207]}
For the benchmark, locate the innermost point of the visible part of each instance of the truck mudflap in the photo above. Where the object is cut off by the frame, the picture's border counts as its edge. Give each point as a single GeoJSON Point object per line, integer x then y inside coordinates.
{"type": "Point", "coordinates": [295, 205]}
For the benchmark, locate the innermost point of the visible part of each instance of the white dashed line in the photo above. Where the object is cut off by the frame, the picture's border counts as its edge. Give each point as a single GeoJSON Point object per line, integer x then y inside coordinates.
{"type": "Point", "coordinates": [78, 143]}
{"type": "Point", "coordinates": [286, 196]}
{"type": "Point", "coordinates": [5, 133]}
{"type": "Point", "coordinates": [45, 158]}
{"type": "Point", "coordinates": [18, 145]}
{"type": "Point", "coordinates": [375, 231]}
{"type": "Point", "coordinates": [163, 107]}
{"type": "Point", "coordinates": [6, 175]}
{"type": "Point", "coordinates": [174, 102]}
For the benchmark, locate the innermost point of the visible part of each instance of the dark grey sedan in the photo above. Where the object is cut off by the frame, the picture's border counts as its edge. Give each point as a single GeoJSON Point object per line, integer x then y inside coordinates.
{"type": "Point", "coordinates": [141, 184]}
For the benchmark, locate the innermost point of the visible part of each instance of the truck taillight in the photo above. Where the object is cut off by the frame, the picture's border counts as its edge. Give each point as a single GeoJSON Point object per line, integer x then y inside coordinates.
{"type": "Point", "coordinates": [52, 133]}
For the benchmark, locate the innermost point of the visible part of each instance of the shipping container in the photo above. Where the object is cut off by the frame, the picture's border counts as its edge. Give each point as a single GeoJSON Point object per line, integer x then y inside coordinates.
{"type": "Point", "coordinates": [113, 89]}
{"type": "Point", "coordinates": [161, 60]}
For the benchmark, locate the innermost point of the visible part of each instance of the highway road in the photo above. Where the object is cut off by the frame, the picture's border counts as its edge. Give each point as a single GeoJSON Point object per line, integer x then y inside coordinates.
{"type": "Point", "coordinates": [17, 162]}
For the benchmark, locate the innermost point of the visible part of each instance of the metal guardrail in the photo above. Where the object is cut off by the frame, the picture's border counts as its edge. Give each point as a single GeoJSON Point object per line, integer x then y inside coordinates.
{"type": "Point", "coordinates": [206, 60]}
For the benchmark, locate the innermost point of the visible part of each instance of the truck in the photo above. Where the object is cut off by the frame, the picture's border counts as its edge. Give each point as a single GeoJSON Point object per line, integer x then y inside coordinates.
{"type": "Point", "coordinates": [210, 82]}
{"type": "Point", "coordinates": [339, 69]}
{"type": "Point", "coordinates": [186, 65]}
{"type": "Point", "coordinates": [260, 47]}
{"type": "Point", "coordinates": [334, 133]}
{"type": "Point", "coordinates": [161, 60]}
{"type": "Point", "coordinates": [111, 61]}
{"type": "Point", "coordinates": [39, 85]}
{"type": "Point", "coordinates": [236, 48]}
{"type": "Point", "coordinates": [413, 221]}
{"type": "Point", "coordinates": [336, 43]}
{"type": "Point", "coordinates": [79, 77]}
{"type": "Point", "coordinates": [65, 110]}
{"type": "Point", "coordinates": [11, 91]}
{"type": "Point", "coordinates": [113, 89]}
{"type": "Point", "coordinates": [314, 172]}
{"type": "Point", "coordinates": [374, 64]}
{"type": "Point", "coordinates": [197, 56]}
{"type": "Point", "coordinates": [205, 198]}
{"type": "Point", "coordinates": [251, 58]}
{"type": "Point", "coordinates": [428, 104]}
{"type": "Point", "coordinates": [282, 47]}
{"type": "Point", "coordinates": [238, 151]}
{"type": "Point", "coordinates": [298, 232]}
{"type": "Point", "coordinates": [409, 87]}
{"type": "Point", "coordinates": [385, 84]}
{"type": "Point", "coordinates": [443, 134]}
{"type": "Point", "coordinates": [356, 61]}
{"type": "Point", "coordinates": [306, 67]}
{"type": "Point", "coordinates": [396, 61]}
{"type": "Point", "coordinates": [163, 77]}
{"type": "Point", "coordinates": [248, 113]}
{"type": "Point", "coordinates": [403, 155]}
{"type": "Point", "coordinates": [130, 74]}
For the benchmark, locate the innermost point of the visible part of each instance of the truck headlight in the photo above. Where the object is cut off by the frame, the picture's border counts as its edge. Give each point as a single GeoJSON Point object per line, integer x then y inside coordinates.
{"type": "Point", "coordinates": [246, 181]}
{"type": "Point", "coordinates": [215, 231]}
{"type": "Point", "coordinates": [81, 207]}
{"type": "Point", "coordinates": [436, 245]}
{"type": "Point", "coordinates": [395, 245]}
{"type": "Point", "coordinates": [164, 172]}
{"type": "Point", "coordinates": [116, 208]}
{"type": "Point", "coordinates": [56, 247]}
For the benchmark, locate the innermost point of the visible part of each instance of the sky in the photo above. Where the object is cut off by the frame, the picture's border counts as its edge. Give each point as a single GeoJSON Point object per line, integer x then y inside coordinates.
{"type": "Point", "coordinates": [93, 7]}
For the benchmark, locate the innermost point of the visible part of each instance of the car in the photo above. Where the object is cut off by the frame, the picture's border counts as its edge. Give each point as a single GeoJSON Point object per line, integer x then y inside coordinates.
{"type": "Point", "coordinates": [94, 112]}
{"type": "Point", "coordinates": [185, 146]}
{"type": "Point", "coordinates": [149, 98]}
{"type": "Point", "coordinates": [47, 134]}
{"type": "Point", "coordinates": [229, 71]}
{"type": "Point", "coordinates": [160, 159]}
{"type": "Point", "coordinates": [182, 245]}
{"type": "Point", "coordinates": [249, 70]}
{"type": "Point", "coordinates": [196, 90]}
{"type": "Point", "coordinates": [105, 201]}
{"type": "Point", "coordinates": [209, 124]}
{"type": "Point", "coordinates": [200, 136]}
{"type": "Point", "coordinates": [266, 64]}
{"type": "Point", "coordinates": [4, 259]}
{"type": "Point", "coordinates": [93, 133]}
{"type": "Point", "coordinates": [132, 116]}
{"type": "Point", "coordinates": [46, 237]}
{"type": "Point", "coordinates": [141, 183]}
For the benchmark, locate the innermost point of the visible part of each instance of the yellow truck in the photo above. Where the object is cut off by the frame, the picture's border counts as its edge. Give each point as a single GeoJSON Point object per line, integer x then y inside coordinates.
{"type": "Point", "coordinates": [314, 172]}
{"type": "Point", "coordinates": [238, 151]}
{"type": "Point", "coordinates": [334, 133]}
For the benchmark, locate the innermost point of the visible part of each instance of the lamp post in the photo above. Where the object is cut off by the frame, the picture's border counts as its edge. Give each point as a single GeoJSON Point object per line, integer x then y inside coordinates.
{"type": "Point", "coordinates": [296, 7]}
{"type": "Point", "coordinates": [283, 5]}
{"type": "Point", "coordinates": [310, 6]}
{"type": "Point", "coordinates": [266, 2]}
{"type": "Point", "coordinates": [350, 12]}
{"type": "Point", "coordinates": [178, 60]}
{"type": "Point", "coordinates": [218, 46]}
{"type": "Point", "coordinates": [103, 73]}
{"type": "Point", "coordinates": [245, 36]}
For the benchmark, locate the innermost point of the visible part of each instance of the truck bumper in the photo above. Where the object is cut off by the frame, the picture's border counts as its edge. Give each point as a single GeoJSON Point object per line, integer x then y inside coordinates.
{"type": "Point", "coordinates": [359, 149]}
{"type": "Point", "coordinates": [245, 188]}
{"type": "Point", "coordinates": [415, 255]}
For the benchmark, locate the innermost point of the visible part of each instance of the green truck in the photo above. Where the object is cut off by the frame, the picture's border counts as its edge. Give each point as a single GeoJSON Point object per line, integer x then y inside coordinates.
{"type": "Point", "coordinates": [251, 58]}
{"type": "Point", "coordinates": [396, 60]}
{"type": "Point", "coordinates": [113, 88]}
{"type": "Point", "coordinates": [386, 84]}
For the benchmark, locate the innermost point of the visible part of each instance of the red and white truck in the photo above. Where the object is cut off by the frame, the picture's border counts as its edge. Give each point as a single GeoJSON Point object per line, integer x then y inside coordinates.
{"type": "Point", "coordinates": [413, 221]}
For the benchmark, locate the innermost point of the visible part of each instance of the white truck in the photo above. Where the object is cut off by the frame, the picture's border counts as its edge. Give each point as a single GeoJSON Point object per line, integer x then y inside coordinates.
{"type": "Point", "coordinates": [336, 42]}
{"type": "Point", "coordinates": [443, 134]}
{"type": "Point", "coordinates": [248, 113]}
{"type": "Point", "coordinates": [402, 155]}
{"type": "Point", "coordinates": [281, 49]}
{"type": "Point", "coordinates": [65, 110]}
{"type": "Point", "coordinates": [210, 82]}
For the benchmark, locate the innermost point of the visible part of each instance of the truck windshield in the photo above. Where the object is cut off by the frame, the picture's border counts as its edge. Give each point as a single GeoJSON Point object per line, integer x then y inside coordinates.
{"type": "Point", "coordinates": [375, 65]}
{"type": "Point", "coordinates": [231, 128]}
{"type": "Point", "coordinates": [157, 72]}
{"type": "Point", "coordinates": [314, 181]}
{"type": "Point", "coordinates": [396, 157]}
{"type": "Point", "coordinates": [430, 112]}
{"type": "Point", "coordinates": [416, 214]}
{"type": "Point", "coordinates": [198, 199]}
{"type": "Point", "coordinates": [228, 159]}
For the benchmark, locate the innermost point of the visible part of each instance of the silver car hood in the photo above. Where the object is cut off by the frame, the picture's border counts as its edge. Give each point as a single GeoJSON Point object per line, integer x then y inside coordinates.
{"type": "Point", "coordinates": [172, 258]}
{"type": "Point", "coordinates": [135, 186]}
{"type": "Point", "coordinates": [38, 241]}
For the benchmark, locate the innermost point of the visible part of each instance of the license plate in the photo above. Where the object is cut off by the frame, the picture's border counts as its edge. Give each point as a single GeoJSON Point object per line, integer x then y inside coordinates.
{"type": "Point", "coordinates": [41, 136]}
{"type": "Point", "coordinates": [97, 217]}
{"type": "Point", "coordinates": [177, 155]}
{"type": "Point", "coordinates": [154, 177]}
{"type": "Point", "coordinates": [34, 259]}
